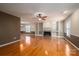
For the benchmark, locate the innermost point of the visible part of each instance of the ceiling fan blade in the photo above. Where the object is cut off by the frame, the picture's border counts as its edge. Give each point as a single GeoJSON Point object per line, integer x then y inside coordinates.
{"type": "Point", "coordinates": [44, 17]}
{"type": "Point", "coordinates": [41, 16]}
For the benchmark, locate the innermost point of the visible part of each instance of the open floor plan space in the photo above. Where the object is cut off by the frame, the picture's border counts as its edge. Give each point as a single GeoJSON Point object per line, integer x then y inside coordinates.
{"type": "Point", "coordinates": [39, 29]}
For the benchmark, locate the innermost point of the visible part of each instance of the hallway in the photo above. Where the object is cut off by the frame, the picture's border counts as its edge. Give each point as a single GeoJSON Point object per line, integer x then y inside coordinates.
{"type": "Point", "coordinates": [39, 46]}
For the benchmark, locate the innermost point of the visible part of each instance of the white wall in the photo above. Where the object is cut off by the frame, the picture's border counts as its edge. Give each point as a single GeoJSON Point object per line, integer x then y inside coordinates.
{"type": "Point", "coordinates": [33, 27]}
{"type": "Point", "coordinates": [75, 23]}
{"type": "Point", "coordinates": [60, 28]}
{"type": "Point", "coordinates": [67, 24]}
{"type": "Point", "coordinates": [52, 26]}
{"type": "Point", "coordinates": [47, 25]}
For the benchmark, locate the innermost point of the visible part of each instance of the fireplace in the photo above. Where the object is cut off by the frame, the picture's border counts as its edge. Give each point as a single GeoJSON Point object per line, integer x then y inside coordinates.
{"type": "Point", "coordinates": [47, 33]}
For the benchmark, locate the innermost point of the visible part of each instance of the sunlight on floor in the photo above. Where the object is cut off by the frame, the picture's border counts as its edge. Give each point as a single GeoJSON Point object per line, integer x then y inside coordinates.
{"type": "Point", "coordinates": [28, 40]}
{"type": "Point", "coordinates": [21, 47]}
{"type": "Point", "coordinates": [46, 52]}
{"type": "Point", "coordinates": [67, 50]}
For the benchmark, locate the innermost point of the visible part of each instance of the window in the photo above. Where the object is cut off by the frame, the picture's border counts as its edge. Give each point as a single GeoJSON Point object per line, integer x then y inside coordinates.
{"type": "Point", "coordinates": [68, 28]}
{"type": "Point", "coordinates": [28, 28]}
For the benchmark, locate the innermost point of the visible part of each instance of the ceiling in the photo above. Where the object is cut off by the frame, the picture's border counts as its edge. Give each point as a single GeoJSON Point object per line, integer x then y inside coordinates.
{"type": "Point", "coordinates": [26, 11]}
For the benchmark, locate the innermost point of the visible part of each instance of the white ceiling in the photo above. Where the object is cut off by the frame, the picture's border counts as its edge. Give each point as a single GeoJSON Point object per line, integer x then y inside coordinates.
{"type": "Point", "coordinates": [27, 10]}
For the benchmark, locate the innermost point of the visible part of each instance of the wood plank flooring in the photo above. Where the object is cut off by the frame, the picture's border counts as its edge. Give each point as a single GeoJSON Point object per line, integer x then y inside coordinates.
{"type": "Point", "coordinates": [39, 46]}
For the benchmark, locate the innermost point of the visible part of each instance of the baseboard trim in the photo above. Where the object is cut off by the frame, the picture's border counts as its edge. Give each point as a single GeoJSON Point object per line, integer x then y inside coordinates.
{"type": "Point", "coordinates": [58, 36]}
{"type": "Point", "coordinates": [38, 35]}
{"type": "Point", "coordinates": [9, 43]}
{"type": "Point", "coordinates": [72, 44]}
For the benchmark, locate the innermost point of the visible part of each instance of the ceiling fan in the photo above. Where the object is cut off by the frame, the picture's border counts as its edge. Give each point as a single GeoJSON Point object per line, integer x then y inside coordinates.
{"type": "Point", "coordinates": [41, 16]}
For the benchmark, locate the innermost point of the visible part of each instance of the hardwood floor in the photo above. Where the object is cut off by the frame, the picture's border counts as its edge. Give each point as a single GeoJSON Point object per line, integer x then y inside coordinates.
{"type": "Point", "coordinates": [39, 46]}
